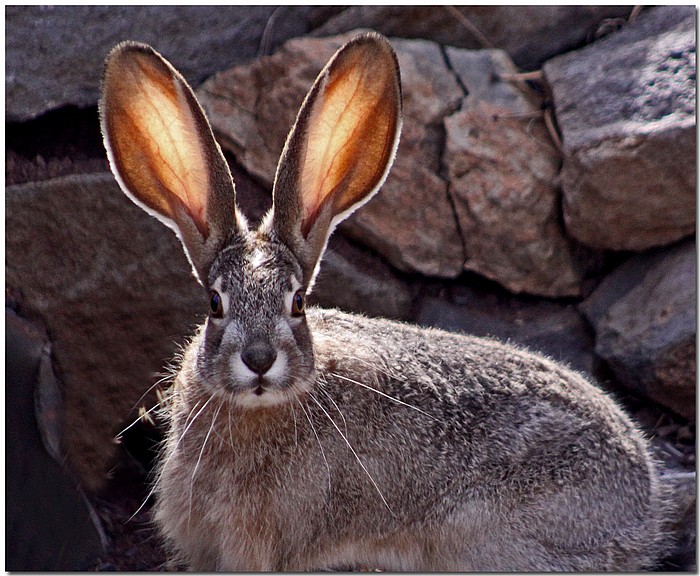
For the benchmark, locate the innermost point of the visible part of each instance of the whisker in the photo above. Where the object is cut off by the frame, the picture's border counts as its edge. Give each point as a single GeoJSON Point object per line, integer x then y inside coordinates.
{"type": "Point", "coordinates": [217, 433]}
{"type": "Point", "coordinates": [141, 416]}
{"type": "Point", "coordinates": [143, 413]}
{"type": "Point", "coordinates": [323, 453]}
{"type": "Point", "coordinates": [187, 427]}
{"type": "Point", "coordinates": [294, 417]}
{"type": "Point", "coordinates": [383, 394]}
{"type": "Point", "coordinates": [206, 438]}
{"type": "Point", "coordinates": [376, 367]}
{"type": "Point", "coordinates": [163, 378]}
{"type": "Point", "coordinates": [199, 459]}
{"type": "Point", "coordinates": [230, 431]}
{"type": "Point", "coordinates": [327, 395]}
{"type": "Point", "coordinates": [354, 453]}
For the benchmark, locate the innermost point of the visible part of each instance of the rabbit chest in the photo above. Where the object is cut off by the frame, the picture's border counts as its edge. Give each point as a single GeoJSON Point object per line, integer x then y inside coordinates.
{"type": "Point", "coordinates": [229, 492]}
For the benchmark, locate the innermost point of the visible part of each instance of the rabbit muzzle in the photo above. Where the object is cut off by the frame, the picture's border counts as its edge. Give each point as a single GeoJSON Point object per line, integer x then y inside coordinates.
{"type": "Point", "coordinates": [260, 372]}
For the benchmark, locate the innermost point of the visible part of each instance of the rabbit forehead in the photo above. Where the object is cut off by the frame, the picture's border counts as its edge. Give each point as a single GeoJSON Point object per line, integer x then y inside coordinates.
{"type": "Point", "coordinates": [255, 266]}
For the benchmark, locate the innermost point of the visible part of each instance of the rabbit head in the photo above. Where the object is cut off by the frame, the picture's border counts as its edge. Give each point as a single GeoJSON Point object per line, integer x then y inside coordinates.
{"type": "Point", "coordinates": [257, 345]}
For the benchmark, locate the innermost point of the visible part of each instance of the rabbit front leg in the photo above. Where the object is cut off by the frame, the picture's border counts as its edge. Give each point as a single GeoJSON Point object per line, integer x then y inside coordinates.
{"type": "Point", "coordinates": [211, 525]}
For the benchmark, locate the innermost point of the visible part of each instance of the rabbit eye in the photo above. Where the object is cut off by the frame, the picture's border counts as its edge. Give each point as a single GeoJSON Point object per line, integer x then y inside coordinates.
{"type": "Point", "coordinates": [298, 303]}
{"type": "Point", "coordinates": [216, 305]}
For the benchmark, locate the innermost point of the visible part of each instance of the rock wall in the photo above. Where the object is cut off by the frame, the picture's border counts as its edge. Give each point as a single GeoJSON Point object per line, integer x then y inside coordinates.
{"type": "Point", "coordinates": [626, 109]}
{"type": "Point", "coordinates": [55, 53]}
{"type": "Point", "coordinates": [555, 209]}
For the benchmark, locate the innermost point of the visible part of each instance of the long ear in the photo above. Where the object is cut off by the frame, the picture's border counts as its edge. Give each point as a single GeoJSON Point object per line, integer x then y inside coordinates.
{"type": "Point", "coordinates": [163, 153]}
{"type": "Point", "coordinates": [340, 149]}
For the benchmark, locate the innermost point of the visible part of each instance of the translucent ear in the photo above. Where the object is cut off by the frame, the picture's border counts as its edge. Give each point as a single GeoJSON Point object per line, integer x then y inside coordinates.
{"type": "Point", "coordinates": [341, 147]}
{"type": "Point", "coordinates": [163, 153]}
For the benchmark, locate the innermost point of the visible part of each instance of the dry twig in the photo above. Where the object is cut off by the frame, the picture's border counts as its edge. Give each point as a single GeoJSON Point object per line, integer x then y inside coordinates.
{"type": "Point", "coordinates": [483, 40]}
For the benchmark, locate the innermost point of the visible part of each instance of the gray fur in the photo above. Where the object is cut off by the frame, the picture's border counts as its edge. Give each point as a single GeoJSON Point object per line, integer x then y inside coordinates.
{"type": "Point", "coordinates": [375, 443]}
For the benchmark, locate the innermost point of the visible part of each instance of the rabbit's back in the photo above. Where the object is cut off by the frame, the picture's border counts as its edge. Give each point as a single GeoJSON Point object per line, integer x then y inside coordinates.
{"type": "Point", "coordinates": [524, 456]}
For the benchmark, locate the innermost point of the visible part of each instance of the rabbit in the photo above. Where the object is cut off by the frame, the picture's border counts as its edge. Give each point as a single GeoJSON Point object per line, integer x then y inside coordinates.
{"type": "Point", "coordinates": [305, 439]}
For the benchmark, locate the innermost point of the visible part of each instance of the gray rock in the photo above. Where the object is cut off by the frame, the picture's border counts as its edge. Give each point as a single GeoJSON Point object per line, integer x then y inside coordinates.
{"type": "Point", "coordinates": [556, 330]}
{"type": "Point", "coordinates": [530, 34]}
{"type": "Point", "coordinates": [644, 316]}
{"type": "Point", "coordinates": [502, 169]}
{"type": "Point", "coordinates": [481, 73]}
{"type": "Point", "coordinates": [54, 54]}
{"type": "Point", "coordinates": [114, 289]}
{"type": "Point", "coordinates": [626, 109]}
{"type": "Point", "coordinates": [355, 281]}
{"type": "Point", "coordinates": [410, 222]}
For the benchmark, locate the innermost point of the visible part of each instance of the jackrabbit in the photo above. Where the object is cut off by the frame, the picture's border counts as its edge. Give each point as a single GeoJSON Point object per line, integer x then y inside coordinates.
{"type": "Point", "coordinates": [308, 439]}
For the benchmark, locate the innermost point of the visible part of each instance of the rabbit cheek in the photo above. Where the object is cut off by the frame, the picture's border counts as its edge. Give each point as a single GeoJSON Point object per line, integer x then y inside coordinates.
{"type": "Point", "coordinates": [215, 348]}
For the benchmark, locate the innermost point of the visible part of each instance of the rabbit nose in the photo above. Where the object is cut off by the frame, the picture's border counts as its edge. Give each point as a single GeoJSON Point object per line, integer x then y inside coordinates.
{"type": "Point", "coordinates": [259, 356]}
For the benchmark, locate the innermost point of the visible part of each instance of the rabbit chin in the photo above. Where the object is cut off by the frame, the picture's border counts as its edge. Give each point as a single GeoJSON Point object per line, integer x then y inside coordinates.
{"type": "Point", "coordinates": [250, 399]}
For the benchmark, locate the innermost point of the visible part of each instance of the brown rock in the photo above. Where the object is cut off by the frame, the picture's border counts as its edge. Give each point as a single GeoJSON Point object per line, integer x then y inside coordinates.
{"type": "Point", "coordinates": [503, 170]}
{"type": "Point", "coordinates": [410, 222]}
{"type": "Point", "coordinates": [626, 108]}
{"type": "Point", "coordinates": [113, 288]}
{"type": "Point", "coordinates": [502, 176]}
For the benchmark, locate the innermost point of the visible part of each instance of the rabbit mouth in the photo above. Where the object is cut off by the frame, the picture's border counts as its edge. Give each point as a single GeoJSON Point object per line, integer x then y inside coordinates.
{"type": "Point", "coordinates": [264, 393]}
{"type": "Point", "coordinates": [276, 385]}
{"type": "Point", "coordinates": [262, 386]}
